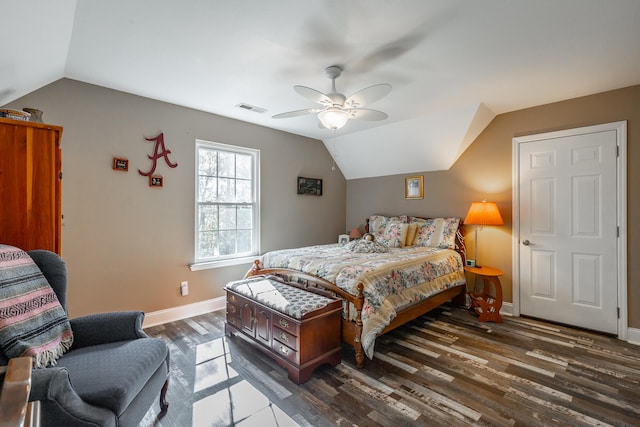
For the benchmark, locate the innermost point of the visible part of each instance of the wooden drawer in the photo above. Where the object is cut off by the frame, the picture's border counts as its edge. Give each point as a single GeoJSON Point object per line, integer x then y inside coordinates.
{"type": "Point", "coordinates": [285, 351]}
{"type": "Point", "coordinates": [233, 321]}
{"type": "Point", "coordinates": [233, 313]}
{"type": "Point", "coordinates": [285, 338]}
{"type": "Point", "coordinates": [232, 298]}
{"type": "Point", "coordinates": [286, 324]}
{"type": "Point", "coordinates": [232, 310]}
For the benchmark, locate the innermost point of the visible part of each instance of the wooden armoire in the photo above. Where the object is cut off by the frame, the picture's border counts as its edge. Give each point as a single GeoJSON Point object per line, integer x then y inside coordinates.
{"type": "Point", "coordinates": [30, 185]}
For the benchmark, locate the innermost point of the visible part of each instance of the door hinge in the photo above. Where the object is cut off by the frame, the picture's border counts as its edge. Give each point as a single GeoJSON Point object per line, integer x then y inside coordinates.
{"type": "Point", "coordinates": [618, 231]}
{"type": "Point", "coordinates": [618, 312]}
{"type": "Point", "coordinates": [60, 175]}
{"type": "Point", "coordinates": [617, 151]}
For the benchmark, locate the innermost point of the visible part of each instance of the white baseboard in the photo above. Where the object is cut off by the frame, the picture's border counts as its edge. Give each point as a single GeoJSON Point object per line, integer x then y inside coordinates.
{"type": "Point", "coordinates": [633, 336]}
{"type": "Point", "coordinates": [184, 311]}
{"type": "Point", "coordinates": [506, 309]}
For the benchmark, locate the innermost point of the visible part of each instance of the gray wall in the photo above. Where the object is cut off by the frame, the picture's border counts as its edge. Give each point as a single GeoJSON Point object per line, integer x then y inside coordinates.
{"type": "Point", "coordinates": [128, 246]}
{"type": "Point", "coordinates": [485, 171]}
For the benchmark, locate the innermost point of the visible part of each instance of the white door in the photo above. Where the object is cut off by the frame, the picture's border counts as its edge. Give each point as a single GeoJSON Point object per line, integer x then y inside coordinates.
{"type": "Point", "coordinates": [568, 229]}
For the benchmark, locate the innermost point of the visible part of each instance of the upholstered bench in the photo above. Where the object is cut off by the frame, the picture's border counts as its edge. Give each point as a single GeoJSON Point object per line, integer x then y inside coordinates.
{"type": "Point", "coordinates": [299, 329]}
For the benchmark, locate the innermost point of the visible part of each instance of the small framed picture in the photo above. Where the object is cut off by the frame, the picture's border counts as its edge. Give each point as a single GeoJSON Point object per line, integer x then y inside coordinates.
{"type": "Point", "coordinates": [414, 187]}
{"type": "Point", "coordinates": [120, 164]}
{"type": "Point", "coordinates": [343, 239]}
{"type": "Point", "coordinates": [155, 181]}
{"type": "Point", "coordinates": [311, 186]}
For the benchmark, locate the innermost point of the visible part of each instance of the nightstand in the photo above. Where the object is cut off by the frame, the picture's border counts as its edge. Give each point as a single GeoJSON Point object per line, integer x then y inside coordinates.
{"type": "Point", "coordinates": [484, 304]}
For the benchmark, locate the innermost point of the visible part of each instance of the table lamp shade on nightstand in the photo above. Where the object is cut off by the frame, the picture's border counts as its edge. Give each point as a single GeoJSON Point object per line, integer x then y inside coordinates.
{"type": "Point", "coordinates": [481, 214]}
{"type": "Point", "coordinates": [355, 233]}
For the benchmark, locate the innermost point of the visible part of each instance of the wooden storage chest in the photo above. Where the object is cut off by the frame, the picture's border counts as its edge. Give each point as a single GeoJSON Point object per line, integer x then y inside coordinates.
{"type": "Point", "coordinates": [299, 329]}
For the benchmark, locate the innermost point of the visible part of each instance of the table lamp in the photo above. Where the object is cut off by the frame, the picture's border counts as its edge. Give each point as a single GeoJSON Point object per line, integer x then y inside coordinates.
{"type": "Point", "coordinates": [355, 233]}
{"type": "Point", "coordinates": [481, 214]}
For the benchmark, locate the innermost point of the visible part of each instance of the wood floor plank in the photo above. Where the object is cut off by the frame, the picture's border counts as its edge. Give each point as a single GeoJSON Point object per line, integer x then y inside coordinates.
{"type": "Point", "coordinates": [444, 368]}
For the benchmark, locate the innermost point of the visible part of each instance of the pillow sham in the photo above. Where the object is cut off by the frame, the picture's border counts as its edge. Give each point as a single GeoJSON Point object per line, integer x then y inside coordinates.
{"type": "Point", "coordinates": [390, 231]}
{"type": "Point", "coordinates": [436, 232]}
{"type": "Point", "coordinates": [393, 235]}
{"type": "Point", "coordinates": [376, 222]}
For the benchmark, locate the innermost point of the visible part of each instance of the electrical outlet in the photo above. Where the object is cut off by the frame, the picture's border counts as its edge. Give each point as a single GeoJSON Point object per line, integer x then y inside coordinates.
{"type": "Point", "coordinates": [184, 289]}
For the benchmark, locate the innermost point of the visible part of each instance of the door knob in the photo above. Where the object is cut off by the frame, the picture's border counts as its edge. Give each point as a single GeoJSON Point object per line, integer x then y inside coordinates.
{"type": "Point", "coordinates": [526, 242]}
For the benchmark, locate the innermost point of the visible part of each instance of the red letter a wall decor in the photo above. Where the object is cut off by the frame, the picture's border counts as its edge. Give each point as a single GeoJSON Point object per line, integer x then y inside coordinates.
{"type": "Point", "coordinates": [159, 151]}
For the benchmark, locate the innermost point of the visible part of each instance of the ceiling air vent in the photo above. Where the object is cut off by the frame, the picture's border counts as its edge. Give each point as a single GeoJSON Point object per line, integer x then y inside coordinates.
{"type": "Point", "coordinates": [251, 108]}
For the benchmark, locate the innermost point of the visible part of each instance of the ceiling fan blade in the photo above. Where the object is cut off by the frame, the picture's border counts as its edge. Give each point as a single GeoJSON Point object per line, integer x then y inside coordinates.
{"type": "Point", "coordinates": [368, 95]}
{"type": "Point", "coordinates": [312, 94]}
{"type": "Point", "coordinates": [366, 114]}
{"type": "Point", "coordinates": [296, 113]}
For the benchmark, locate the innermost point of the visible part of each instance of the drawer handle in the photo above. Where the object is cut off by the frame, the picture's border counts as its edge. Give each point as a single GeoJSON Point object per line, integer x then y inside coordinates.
{"type": "Point", "coordinates": [232, 298]}
{"type": "Point", "coordinates": [232, 308]}
{"type": "Point", "coordinates": [284, 337]}
{"type": "Point", "coordinates": [284, 323]}
{"type": "Point", "coordinates": [284, 350]}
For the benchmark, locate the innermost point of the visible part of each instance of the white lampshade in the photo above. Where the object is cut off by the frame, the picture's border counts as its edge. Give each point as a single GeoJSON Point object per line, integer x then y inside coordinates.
{"type": "Point", "coordinates": [333, 118]}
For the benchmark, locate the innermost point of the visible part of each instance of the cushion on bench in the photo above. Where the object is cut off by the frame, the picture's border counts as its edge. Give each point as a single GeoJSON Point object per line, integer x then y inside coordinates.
{"type": "Point", "coordinates": [292, 301]}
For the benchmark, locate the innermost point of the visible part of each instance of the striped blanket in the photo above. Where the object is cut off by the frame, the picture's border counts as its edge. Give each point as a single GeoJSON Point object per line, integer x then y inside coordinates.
{"type": "Point", "coordinates": [32, 321]}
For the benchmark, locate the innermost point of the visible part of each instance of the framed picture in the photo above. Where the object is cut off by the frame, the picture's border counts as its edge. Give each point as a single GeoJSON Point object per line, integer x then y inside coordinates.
{"type": "Point", "coordinates": [414, 187]}
{"type": "Point", "coordinates": [120, 164]}
{"type": "Point", "coordinates": [309, 186]}
{"type": "Point", "coordinates": [343, 239]}
{"type": "Point", "coordinates": [155, 181]}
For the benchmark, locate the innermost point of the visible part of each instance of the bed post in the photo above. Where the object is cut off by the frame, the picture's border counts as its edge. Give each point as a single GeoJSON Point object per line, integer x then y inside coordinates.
{"type": "Point", "coordinates": [357, 340]}
{"type": "Point", "coordinates": [254, 270]}
{"type": "Point", "coordinates": [459, 244]}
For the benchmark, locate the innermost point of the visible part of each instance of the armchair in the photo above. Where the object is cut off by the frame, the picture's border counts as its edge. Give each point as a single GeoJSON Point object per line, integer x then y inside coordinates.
{"type": "Point", "coordinates": [111, 374]}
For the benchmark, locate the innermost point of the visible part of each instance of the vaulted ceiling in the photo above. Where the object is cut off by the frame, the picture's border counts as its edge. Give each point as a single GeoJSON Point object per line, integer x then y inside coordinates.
{"type": "Point", "coordinates": [453, 64]}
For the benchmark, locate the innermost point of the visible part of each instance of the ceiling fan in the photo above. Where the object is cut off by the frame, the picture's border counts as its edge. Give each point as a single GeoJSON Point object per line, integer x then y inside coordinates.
{"type": "Point", "coordinates": [337, 108]}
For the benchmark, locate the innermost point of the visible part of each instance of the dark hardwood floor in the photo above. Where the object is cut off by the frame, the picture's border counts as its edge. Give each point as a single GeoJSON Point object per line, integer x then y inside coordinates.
{"type": "Point", "coordinates": [445, 368]}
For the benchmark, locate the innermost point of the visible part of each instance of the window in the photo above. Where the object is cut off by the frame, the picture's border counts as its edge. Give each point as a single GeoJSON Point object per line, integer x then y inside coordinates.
{"type": "Point", "coordinates": [227, 208]}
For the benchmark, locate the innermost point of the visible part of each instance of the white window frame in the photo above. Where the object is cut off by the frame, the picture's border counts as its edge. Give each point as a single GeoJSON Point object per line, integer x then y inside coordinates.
{"type": "Point", "coordinates": [202, 263]}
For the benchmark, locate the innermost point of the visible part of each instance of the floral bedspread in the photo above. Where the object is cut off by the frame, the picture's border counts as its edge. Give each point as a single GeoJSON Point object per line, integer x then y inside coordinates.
{"type": "Point", "coordinates": [392, 280]}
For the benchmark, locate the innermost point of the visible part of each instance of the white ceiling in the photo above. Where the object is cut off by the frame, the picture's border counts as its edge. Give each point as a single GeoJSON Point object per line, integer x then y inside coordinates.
{"type": "Point", "coordinates": [453, 64]}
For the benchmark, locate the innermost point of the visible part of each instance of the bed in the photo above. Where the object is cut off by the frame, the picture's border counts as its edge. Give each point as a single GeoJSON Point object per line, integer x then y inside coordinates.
{"type": "Point", "coordinates": [403, 267]}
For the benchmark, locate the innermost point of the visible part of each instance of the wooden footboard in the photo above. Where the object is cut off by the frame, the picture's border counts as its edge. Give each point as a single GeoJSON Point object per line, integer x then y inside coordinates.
{"type": "Point", "coordinates": [352, 330]}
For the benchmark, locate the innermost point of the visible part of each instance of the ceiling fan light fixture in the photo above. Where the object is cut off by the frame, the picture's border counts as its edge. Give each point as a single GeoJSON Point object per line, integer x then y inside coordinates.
{"type": "Point", "coordinates": [337, 109]}
{"type": "Point", "coordinates": [333, 118]}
